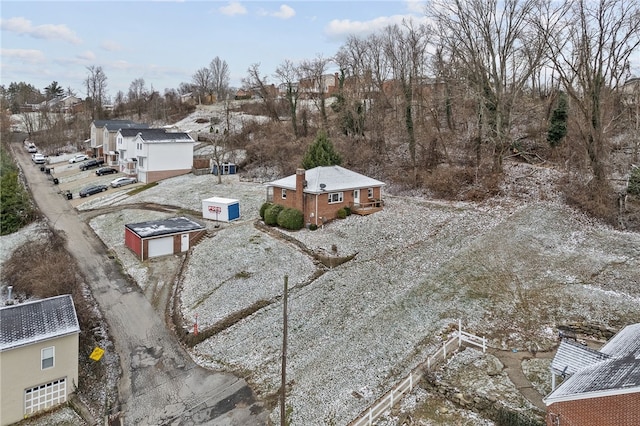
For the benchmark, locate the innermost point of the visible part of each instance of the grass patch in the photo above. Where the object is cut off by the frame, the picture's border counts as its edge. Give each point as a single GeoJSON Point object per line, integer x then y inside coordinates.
{"type": "Point", "coordinates": [142, 188]}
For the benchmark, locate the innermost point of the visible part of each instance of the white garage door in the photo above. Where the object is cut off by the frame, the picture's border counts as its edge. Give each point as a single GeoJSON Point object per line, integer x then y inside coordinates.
{"type": "Point", "coordinates": [45, 396]}
{"type": "Point", "coordinates": [160, 246]}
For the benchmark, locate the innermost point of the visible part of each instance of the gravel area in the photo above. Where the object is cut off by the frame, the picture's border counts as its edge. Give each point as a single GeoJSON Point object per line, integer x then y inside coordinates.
{"type": "Point", "coordinates": [511, 268]}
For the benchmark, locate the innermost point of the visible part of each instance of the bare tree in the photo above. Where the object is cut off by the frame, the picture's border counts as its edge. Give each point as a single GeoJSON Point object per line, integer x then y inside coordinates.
{"type": "Point", "coordinates": [405, 48]}
{"type": "Point", "coordinates": [138, 95]}
{"type": "Point", "coordinates": [220, 78]}
{"type": "Point", "coordinates": [313, 72]}
{"type": "Point", "coordinates": [289, 76]}
{"type": "Point", "coordinates": [591, 54]}
{"type": "Point", "coordinates": [96, 83]}
{"type": "Point", "coordinates": [496, 44]}
{"type": "Point", "coordinates": [256, 83]}
{"type": "Point", "coordinates": [203, 83]}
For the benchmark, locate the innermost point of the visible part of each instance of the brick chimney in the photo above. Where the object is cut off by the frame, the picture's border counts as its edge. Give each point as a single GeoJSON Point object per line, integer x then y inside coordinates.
{"type": "Point", "coordinates": [300, 185]}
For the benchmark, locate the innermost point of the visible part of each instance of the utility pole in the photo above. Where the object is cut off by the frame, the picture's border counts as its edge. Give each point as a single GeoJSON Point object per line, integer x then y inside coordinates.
{"type": "Point", "coordinates": [283, 390]}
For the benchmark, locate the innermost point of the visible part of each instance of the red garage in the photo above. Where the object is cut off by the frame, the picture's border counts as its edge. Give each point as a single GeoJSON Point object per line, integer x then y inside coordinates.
{"type": "Point", "coordinates": [162, 237]}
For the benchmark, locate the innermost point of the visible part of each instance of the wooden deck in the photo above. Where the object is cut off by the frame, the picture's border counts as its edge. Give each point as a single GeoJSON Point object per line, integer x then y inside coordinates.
{"type": "Point", "coordinates": [364, 209]}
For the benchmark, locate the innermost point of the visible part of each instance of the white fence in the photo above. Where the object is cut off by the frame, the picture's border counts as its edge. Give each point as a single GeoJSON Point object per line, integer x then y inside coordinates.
{"type": "Point", "coordinates": [368, 416]}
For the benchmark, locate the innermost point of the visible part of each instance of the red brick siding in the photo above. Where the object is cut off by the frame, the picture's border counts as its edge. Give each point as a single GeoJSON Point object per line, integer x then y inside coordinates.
{"type": "Point", "coordinates": [616, 410]}
{"type": "Point", "coordinates": [165, 174]}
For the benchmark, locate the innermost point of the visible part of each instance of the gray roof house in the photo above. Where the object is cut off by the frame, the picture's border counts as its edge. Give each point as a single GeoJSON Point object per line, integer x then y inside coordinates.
{"type": "Point", "coordinates": [38, 356]}
{"type": "Point", "coordinates": [320, 192]}
{"type": "Point", "coordinates": [594, 380]}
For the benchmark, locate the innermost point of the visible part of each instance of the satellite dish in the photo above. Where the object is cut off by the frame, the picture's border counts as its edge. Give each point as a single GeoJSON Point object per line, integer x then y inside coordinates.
{"type": "Point", "coordinates": [323, 186]}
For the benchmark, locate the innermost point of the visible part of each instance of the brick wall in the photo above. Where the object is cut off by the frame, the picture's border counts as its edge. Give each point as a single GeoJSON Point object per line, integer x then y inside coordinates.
{"type": "Point", "coordinates": [617, 410]}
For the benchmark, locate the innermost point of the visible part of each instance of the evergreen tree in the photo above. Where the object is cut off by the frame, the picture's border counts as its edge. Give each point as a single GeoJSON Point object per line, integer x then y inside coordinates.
{"type": "Point", "coordinates": [558, 123]}
{"type": "Point", "coordinates": [321, 153]}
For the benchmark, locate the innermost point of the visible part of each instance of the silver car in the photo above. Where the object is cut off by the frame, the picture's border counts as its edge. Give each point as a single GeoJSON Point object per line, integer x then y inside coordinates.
{"type": "Point", "coordinates": [121, 181]}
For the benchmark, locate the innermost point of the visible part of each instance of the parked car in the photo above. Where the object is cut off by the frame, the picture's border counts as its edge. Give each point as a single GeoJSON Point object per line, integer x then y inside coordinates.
{"type": "Point", "coordinates": [106, 171]}
{"type": "Point", "coordinates": [38, 158]}
{"type": "Point", "coordinates": [32, 148]}
{"type": "Point", "coordinates": [78, 158]}
{"type": "Point", "coordinates": [123, 181]}
{"type": "Point", "coordinates": [93, 189]}
{"type": "Point", "coordinates": [96, 162]}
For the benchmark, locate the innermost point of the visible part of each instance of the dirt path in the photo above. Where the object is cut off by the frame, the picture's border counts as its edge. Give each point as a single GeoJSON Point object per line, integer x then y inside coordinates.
{"type": "Point", "coordinates": [160, 383]}
{"type": "Point", "coordinates": [512, 362]}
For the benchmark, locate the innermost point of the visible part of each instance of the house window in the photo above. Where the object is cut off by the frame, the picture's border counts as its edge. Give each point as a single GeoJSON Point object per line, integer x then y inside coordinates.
{"type": "Point", "coordinates": [335, 197]}
{"type": "Point", "coordinates": [47, 357]}
{"type": "Point", "coordinates": [140, 161]}
{"type": "Point", "coordinates": [370, 193]}
{"type": "Point", "coordinates": [284, 194]}
{"type": "Point", "coordinates": [45, 396]}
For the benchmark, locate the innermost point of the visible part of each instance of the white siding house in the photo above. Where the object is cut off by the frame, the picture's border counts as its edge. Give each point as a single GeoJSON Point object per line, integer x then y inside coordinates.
{"type": "Point", "coordinates": [162, 154]}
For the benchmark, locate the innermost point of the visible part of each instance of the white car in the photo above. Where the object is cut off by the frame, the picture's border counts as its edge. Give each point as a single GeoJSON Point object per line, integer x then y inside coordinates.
{"type": "Point", "coordinates": [38, 158]}
{"type": "Point", "coordinates": [78, 158]}
{"type": "Point", "coordinates": [116, 183]}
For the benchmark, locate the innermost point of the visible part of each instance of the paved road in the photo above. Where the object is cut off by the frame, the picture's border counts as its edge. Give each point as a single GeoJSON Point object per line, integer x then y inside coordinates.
{"type": "Point", "coordinates": [160, 384]}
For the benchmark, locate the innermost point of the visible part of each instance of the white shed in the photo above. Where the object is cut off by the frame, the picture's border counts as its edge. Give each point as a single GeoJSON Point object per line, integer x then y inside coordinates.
{"type": "Point", "coordinates": [221, 209]}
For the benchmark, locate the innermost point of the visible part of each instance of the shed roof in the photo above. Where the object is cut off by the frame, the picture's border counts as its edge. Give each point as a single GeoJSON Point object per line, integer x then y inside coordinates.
{"type": "Point", "coordinates": [32, 322]}
{"type": "Point", "coordinates": [616, 372]}
{"type": "Point", "coordinates": [334, 178]}
{"type": "Point", "coordinates": [154, 228]}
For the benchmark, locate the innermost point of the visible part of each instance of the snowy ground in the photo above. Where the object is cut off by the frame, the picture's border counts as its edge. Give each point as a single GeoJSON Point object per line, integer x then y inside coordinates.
{"type": "Point", "coordinates": [512, 269]}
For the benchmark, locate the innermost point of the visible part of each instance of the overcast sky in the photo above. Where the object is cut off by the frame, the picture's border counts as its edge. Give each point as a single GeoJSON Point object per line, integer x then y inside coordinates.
{"type": "Point", "coordinates": [165, 42]}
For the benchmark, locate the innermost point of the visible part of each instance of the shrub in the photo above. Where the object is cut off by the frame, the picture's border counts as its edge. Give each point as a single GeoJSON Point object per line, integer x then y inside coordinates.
{"type": "Point", "coordinates": [348, 210]}
{"type": "Point", "coordinates": [634, 182]}
{"type": "Point", "coordinates": [271, 214]}
{"type": "Point", "coordinates": [263, 208]}
{"type": "Point", "coordinates": [313, 227]}
{"type": "Point", "coordinates": [342, 213]}
{"type": "Point", "coordinates": [292, 219]}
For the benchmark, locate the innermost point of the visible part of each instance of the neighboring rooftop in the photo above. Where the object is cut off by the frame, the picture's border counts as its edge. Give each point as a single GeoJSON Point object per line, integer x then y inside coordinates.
{"type": "Point", "coordinates": [31, 322]}
{"type": "Point", "coordinates": [172, 225]}
{"type": "Point", "coordinates": [615, 369]}
{"type": "Point", "coordinates": [334, 178]}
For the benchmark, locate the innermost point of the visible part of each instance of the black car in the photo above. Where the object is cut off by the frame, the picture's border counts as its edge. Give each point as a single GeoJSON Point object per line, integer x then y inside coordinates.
{"type": "Point", "coordinates": [93, 189]}
{"type": "Point", "coordinates": [91, 164]}
{"type": "Point", "coordinates": [106, 171]}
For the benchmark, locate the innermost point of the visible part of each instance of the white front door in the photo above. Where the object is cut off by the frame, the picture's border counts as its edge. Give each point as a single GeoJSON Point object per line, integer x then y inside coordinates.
{"type": "Point", "coordinates": [356, 196]}
{"type": "Point", "coordinates": [184, 242]}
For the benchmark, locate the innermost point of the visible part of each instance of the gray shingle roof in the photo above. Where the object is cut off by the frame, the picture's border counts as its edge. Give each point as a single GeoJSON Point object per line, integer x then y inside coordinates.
{"type": "Point", "coordinates": [161, 135]}
{"type": "Point", "coordinates": [615, 370]}
{"type": "Point", "coordinates": [164, 227]}
{"type": "Point", "coordinates": [334, 178]}
{"type": "Point", "coordinates": [132, 132]}
{"type": "Point", "coordinates": [31, 322]}
{"type": "Point", "coordinates": [572, 356]}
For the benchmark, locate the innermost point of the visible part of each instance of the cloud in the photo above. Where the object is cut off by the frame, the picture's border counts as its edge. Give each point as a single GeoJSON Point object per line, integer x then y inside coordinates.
{"type": "Point", "coordinates": [86, 56]}
{"type": "Point", "coordinates": [233, 8]}
{"type": "Point", "coordinates": [339, 28]}
{"type": "Point", "coordinates": [415, 6]}
{"type": "Point", "coordinates": [111, 46]}
{"type": "Point", "coordinates": [284, 12]}
{"type": "Point", "coordinates": [26, 55]}
{"type": "Point", "coordinates": [23, 26]}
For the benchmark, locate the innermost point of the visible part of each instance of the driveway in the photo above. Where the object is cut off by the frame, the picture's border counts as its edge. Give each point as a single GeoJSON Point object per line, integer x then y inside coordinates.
{"type": "Point", "coordinates": [160, 383]}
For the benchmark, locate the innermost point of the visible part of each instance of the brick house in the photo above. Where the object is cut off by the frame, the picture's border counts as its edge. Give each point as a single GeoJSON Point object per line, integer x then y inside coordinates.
{"type": "Point", "coordinates": [320, 192]}
{"type": "Point", "coordinates": [38, 356]}
{"type": "Point", "coordinates": [600, 387]}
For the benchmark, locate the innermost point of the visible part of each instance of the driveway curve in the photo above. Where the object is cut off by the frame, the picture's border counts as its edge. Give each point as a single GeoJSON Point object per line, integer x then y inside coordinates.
{"type": "Point", "coordinates": [160, 383]}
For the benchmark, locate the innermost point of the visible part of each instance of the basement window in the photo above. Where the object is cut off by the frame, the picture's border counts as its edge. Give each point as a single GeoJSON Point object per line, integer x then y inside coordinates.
{"type": "Point", "coordinates": [284, 194]}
